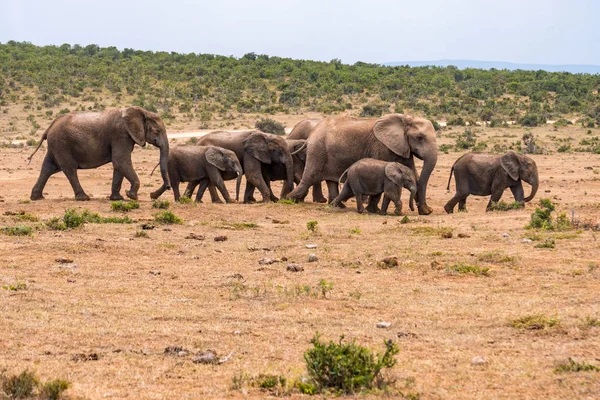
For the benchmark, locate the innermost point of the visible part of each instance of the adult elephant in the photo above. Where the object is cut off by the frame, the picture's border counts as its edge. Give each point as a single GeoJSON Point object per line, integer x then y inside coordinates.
{"type": "Point", "coordinates": [254, 149]}
{"type": "Point", "coordinates": [338, 142]}
{"type": "Point", "coordinates": [484, 174]}
{"type": "Point", "coordinates": [85, 140]}
{"type": "Point", "coordinates": [302, 131]}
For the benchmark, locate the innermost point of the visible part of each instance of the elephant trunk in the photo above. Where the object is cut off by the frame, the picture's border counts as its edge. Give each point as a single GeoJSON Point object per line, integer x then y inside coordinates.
{"type": "Point", "coordinates": [289, 171]}
{"type": "Point", "coordinates": [534, 182]}
{"type": "Point", "coordinates": [238, 183]}
{"type": "Point", "coordinates": [411, 201]}
{"type": "Point", "coordinates": [164, 156]}
{"type": "Point", "coordinates": [428, 166]}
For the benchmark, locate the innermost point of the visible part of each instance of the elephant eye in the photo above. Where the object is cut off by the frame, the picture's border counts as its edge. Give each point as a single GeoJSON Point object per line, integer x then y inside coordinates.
{"type": "Point", "coordinates": [420, 137]}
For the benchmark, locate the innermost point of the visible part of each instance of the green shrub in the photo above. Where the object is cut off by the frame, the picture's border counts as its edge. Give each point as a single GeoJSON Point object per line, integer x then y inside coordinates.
{"type": "Point", "coordinates": [376, 109]}
{"type": "Point", "coordinates": [347, 367]}
{"type": "Point", "coordinates": [52, 390]}
{"type": "Point", "coordinates": [436, 125]}
{"type": "Point", "coordinates": [456, 121]}
{"type": "Point", "coordinates": [536, 321]}
{"type": "Point", "coordinates": [185, 200]}
{"type": "Point", "coordinates": [312, 225]}
{"type": "Point", "coordinates": [444, 148]}
{"type": "Point", "coordinates": [503, 206]}
{"type": "Point", "coordinates": [161, 204]}
{"type": "Point", "coordinates": [461, 269]}
{"type": "Point", "coordinates": [546, 244]}
{"type": "Point", "coordinates": [542, 218]}
{"type": "Point", "coordinates": [269, 125]}
{"type": "Point", "coordinates": [466, 140]}
{"type": "Point", "coordinates": [167, 217]}
{"type": "Point", "coordinates": [574, 366]}
{"type": "Point", "coordinates": [564, 148]}
{"type": "Point", "coordinates": [271, 382]}
{"type": "Point", "coordinates": [73, 219]}
{"type": "Point", "coordinates": [18, 230]}
{"type": "Point", "coordinates": [20, 386]}
{"type": "Point", "coordinates": [532, 120]}
{"type": "Point", "coordinates": [124, 206]}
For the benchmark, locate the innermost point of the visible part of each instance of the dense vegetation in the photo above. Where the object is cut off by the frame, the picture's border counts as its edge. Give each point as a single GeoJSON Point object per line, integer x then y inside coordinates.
{"type": "Point", "coordinates": [200, 85]}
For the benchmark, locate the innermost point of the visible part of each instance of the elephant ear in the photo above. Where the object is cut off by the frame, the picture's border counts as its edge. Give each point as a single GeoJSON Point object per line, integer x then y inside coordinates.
{"type": "Point", "coordinates": [216, 157]}
{"type": "Point", "coordinates": [134, 123]}
{"type": "Point", "coordinates": [510, 163]}
{"type": "Point", "coordinates": [391, 131]}
{"type": "Point", "coordinates": [394, 174]}
{"type": "Point", "coordinates": [256, 145]}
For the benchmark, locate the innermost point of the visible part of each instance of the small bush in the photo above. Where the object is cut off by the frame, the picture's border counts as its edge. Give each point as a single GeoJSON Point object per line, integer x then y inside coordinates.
{"type": "Point", "coordinates": [269, 125]}
{"type": "Point", "coordinates": [533, 322]}
{"type": "Point", "coordinates": [15, 287]}
{"type": "Point", "coordinates": [503, 206]}
{"type": "Point", "coordinates": [542, 218]}
{"type": "Point", "coordinates": [161, 204]}
{"type": "Point", "coordinates": [167, 217]}
{"type": "Point", "coordinates": [405, 220]}
{"type": "Point", "coordinates": [312, 226]}
{"type": "Point", "coordinates": [347, 367]}
{"type": "Point", "coordinates": [286, 201]}
{"type": "Point", "coordinates": [376, 109]}
{"type": "Point", "coordinates": [239, 225]}
{"type": "Point", "coordinates": [124, 206]}
{"type": "Point", "coordinates": [142, 234]}
{"type": "Point", "coordinates": [271, 382]}
{"type": "Point", "coordinates": [445, 148]}
{"type": "Point", "coordinates": [546, 244]}
{"type": "Point", "coordinates": [564, 148]}
{"type": "Point", "coordinates": [574, 366]}
{"type": "Point", "coordinates": [466, 140]}
{"type": "Point", "coordinates": [593, 322]}
{"type": "Point", "coordinates": [532, 120]}
{"type": "Point", "coordinates": [20, 386]}
{"type": "Point", "coordinates": [73, 219]}
{"type": "Point", "coordinates": [461, 269]}
{"type": "Point", "coordinates": [18, 230]}
{"type": "Point", "coordinates": [52, 390]}
{"type": "Point", "coordinates": [355, 231]}
{"type": "Point", "coordinates": [185, 200]}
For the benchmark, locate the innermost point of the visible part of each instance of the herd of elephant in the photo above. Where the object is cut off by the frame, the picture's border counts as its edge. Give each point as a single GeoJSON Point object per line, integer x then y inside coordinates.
{"type": "Point", "coordinates": [372, 157]}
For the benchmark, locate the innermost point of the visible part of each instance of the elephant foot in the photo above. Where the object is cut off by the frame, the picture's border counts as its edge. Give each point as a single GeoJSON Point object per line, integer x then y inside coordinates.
{"type": "Point", "coordinates": [82, 197]}
{"type": "Point", "coordinates": [131, 194]}
{"type": "Point", "coordinates": [274, 199]}
{"type": "Point", "coordinates": [36, 196]}
{"type": "Point", "coordinates": [361, 210]}
{"type": "Point", "coordinates": [319, 199]}
{"type": "Point", "coordinates": [373, 210]}
{"type": "Point", "coordinates": [116, 197]}
{"type": "Point", "coordinates": [425, 210]}
{"type": "Point", "coordinates": [232, 201]}
{"type": "Point", "coordinates": [217, 201]}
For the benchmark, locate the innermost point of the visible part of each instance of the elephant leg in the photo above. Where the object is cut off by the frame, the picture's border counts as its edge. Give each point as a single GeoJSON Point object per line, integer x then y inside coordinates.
{"type": "Point", "coordinates": [333, 189]}
{"type": "Point", "coordinates": [254, 176]}
{"type": "Point", "coordinates": [175, 187]}
{"type": "Point", "coordinates": [317, 194]}
{"type": "Point", "coordinates": [359, 203]}
{"type": "Point", "coordinates": [497, 191]}
{"type": "Point", "coordinates": [217, 180]}
{"type": "Point", "coordinates": [214, 197]}
{"type": "Point", "coordinates": [122, 163]}
{"type": "Point", "coordinates": [49, 168]}
{"type": "Point", "coordinates": [344, 195]}
{"type": "Point", "coordinates": [71, 173]}
{"type": "Point", "coordinates": [249, 193]}
{"type": "Point", "coordinates": [201, 189]}
{"type": "Point", "coordinates": [189, 190]}
{"type": "Point", "coordinates": [117, 182]}
{"type": "Point", "coordinates": [462, 205]}
{"type": "Point", "coordinates": [449, 207]}
{"type": "Point", "coordinates": [518, 192]}
{"type": "Point", "coordinates": [373, 203]}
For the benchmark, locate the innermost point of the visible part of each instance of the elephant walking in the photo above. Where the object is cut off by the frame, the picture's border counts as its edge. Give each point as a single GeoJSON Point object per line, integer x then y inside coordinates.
{"type": "Point", "coordinates": [255, 150]}
{"type": "Point", "coordinates": [484, 174]}
{"type": "Point", "coordinates": [89, 139]}
{"type": "Point", "coordinates": [338, 142]}
{"type": "Point", "coordinates": [302, 131]}
{"type": "Point", "coordinates": [201, 165]}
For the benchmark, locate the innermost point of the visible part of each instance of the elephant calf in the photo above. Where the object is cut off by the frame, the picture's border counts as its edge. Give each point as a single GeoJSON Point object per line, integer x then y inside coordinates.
{"type": "Point", "coordinates": [370, 177]}
{"type": "Point", "coordinates": [483, 174]}
{"type": "Point", "coordinates": [202, 165]}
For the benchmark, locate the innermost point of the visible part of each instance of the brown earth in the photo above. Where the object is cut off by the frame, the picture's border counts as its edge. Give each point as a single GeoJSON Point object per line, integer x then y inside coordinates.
{"type": "Point", "coordinates": [128, 297]}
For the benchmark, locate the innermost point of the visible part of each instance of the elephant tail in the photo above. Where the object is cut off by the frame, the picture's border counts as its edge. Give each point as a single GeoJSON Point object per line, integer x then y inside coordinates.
{"type": "Point", "coordinates": [342, 180]}
{"type": "Point", "coordinates": [154, 169]}
{"type": "Point", "coordinates": [450, 178]}
{"type": "Point", "coordinates": [44, 137]}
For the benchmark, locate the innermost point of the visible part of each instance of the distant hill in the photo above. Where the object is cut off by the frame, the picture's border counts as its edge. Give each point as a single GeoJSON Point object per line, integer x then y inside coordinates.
{"type": "Point", "coordinates": [462, 64]}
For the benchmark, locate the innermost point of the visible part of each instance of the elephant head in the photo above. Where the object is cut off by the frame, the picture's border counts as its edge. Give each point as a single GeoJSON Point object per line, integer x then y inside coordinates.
{"type": "Point", "coordinates": [145, 126]}
{"type": "Point", "coordinates": [268, 148]}
{"type": "Point", "coordinates": [225, 160]}
{"type": "Point", "coordinates": [518, 166]}
{"type": "Point", "coordinates": [407, 136]}
{"type": "Point", "coordinates": [404, 177]}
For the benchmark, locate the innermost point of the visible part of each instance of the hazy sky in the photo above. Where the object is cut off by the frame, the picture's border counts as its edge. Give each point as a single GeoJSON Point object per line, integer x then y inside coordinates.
{"type": "Point", "coordinates": [528, 31]}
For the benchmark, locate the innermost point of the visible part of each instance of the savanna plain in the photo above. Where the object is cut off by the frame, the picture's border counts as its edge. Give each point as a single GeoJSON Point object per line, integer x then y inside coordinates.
{"type": "Point", "coordinates": [480, 306]}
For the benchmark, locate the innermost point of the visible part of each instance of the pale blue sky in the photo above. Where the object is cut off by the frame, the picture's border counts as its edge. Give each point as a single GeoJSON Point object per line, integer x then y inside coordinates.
{"type": "Point", "coordinates": [527, 31]}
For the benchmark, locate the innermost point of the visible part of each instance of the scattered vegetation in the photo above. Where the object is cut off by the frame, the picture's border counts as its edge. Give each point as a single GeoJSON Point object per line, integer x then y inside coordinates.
{"type": "Point", "coordinates": [574, 366]}
{"type": "Point", "coordinates": [286, 201]}
{"type": "Point", "coordinates": [22, 216]}
{"type": "Point", "coordinates": [269, 125]}
{"type": "Point", "coordinates": [161, 204]}
{"type": "Point", "coordinates": [124, 206]}
{"type": "Point", "coordinates": [27, 385]}
{"type": "Point", "coordinates": [312, 226]}
{"type": "Point", "coordinates": [17, 230]}
{"type": "Point", "coordinates": [431, 231]}
{"type": "Point", "coordinates": [142, 234]}
{"type": "Point", "coordinates": [533, 322]}
{"type": "Point", "coordinates": [592, 322]}
{"type": "Point", "coordinates": [546, 244]}
{"type": "Point", "coordinates": [543, 219]}
{"type": "Point", "coordinates": [185, 200]}
{"type": "Point", "coordinates": [15, 287]}
{"type": "Point", "coordinates": [167, 217]}
{"type": "Point", "coordinates": [73, 219]}
{"type": "Point", "coordinates": [239, 225]}
{"type": "Point", "coordinates": [346, 367]}
{"type": "Point", "coordinates": [355, 231]}
{"type": "Point", "coordinates": [462, 269]}
{"type": "Point", "coordinates": [502, 206]}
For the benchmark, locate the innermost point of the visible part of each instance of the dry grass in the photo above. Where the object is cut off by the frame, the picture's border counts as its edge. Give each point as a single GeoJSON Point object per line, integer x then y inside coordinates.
{"type": "Point", "coordinates": [127, 297]}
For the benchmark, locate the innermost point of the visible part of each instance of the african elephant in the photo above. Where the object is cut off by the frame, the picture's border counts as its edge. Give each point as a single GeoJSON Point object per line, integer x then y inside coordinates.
{"type": "Point", "coordinates": [302, 131]}
{"type": "Point", "coordinates": [372, 177]}
{"type": "Point", "coordinates": [83, 140]}
{"type": "Point", "coordinates": [254, 149]}
{"type": "Point", "coordinates": [201, 165]}
{"type": "Point", "coordinates": [338, 142]}
{"type": "Point", "coordinates": [483, 174]}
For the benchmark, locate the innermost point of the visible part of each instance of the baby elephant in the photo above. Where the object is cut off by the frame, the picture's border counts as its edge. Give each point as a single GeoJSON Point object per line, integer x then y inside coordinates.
{"type": "Point", "coordinates": [202, 165]}
{"type": "Point", "coordinates": [483, 174]}
{"type": "Point", "coordinates": [370, 177]}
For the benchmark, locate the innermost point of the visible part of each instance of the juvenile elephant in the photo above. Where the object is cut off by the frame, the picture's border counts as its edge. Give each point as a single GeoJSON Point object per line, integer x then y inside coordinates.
{"type": "Point", "coordinates": [338, 142]}
{"type": "Point", "coordinates": [254, 149]}
{"type": "Point", "coordinates": [302, 131]}
{"type": "Point", "coordinates": [88, 140]}
{"type": "Point", "coordinates": [483, 174]}
{"type": "Point", "coordinates": [201, 165]}
{"type": "Point", "coordinates": [370, 177]}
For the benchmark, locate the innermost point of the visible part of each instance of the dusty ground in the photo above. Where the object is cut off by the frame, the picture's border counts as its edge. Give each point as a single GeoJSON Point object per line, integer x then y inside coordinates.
{"type": "Point", "coordinates": [129, 298]}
